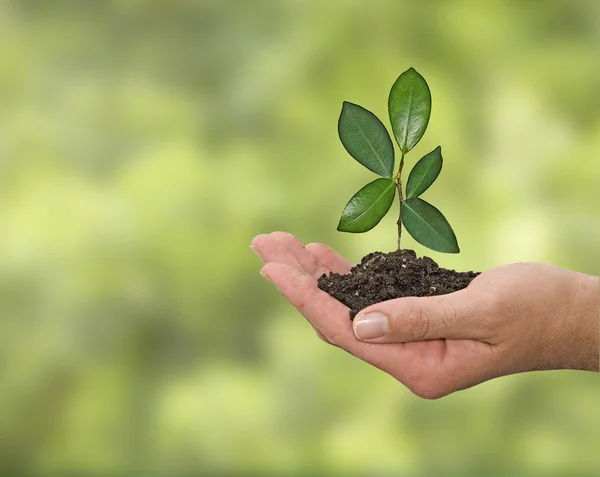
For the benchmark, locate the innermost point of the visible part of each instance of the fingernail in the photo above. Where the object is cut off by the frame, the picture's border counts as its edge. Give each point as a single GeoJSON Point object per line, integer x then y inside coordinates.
{"type": "Point", "coordinates": [264, 274]}
{"type": "Point", "coordinates": [256, 250]}
{"type": "Point", "coordinates": [370, 326]}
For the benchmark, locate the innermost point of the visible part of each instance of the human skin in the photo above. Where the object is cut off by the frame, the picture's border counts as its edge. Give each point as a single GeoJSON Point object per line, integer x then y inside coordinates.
{"type": "Point", "coordinates": [511, 319]}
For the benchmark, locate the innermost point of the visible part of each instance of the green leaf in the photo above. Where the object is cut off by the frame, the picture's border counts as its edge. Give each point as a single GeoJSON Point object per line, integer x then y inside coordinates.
{"type": "Point", "coordinates": [366, 139]}
{"type": "Point", "coordinates": [368, 206]}
{"type": "Point", "coordinates": [428, 226]}
{"type": "Point", "coordinates": [424, 173]}
{"type": "Point", "coordinates": [409, 106]}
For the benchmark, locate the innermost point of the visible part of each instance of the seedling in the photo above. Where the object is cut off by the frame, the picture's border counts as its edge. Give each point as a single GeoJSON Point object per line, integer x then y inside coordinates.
{"type": "Point", "coordinates": [366, 139]}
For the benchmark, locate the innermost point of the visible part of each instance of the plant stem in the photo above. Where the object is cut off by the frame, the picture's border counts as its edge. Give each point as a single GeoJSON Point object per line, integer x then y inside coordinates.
{"type": "Point", "coordinates": [400, 197]}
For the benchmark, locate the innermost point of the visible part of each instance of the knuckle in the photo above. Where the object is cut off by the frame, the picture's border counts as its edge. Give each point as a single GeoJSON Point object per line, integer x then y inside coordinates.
{"type": "Point", "coordinates": [322, 337]}
{"type": "Point", "coordinates": [419, 321]}
{"type": "Point", "coordinates": [494, 303]}
{"type": "Point", "coordinates": [449, 317]}
{"type": "Point", "coordinates": [318, 250]}
{"type": "Point", "coordinates": [335, 338]}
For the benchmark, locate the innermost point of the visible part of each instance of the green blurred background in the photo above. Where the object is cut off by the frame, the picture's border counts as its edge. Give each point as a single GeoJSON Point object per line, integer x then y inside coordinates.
{"type": "Point", "coordinates": [144, 143]}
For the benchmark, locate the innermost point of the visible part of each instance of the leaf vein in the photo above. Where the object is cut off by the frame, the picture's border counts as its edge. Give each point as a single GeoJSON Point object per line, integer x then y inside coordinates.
{"type": "Point", "coordinates": [427, 224]}
{"type": "Point", "coordinates": [373, 204]}
{"type": "Point", "coordinates": [407, 119]}
{"type": "Point", "coordinates": [368, 142]}
{"type": "Point", "coordinates": [429, 166]}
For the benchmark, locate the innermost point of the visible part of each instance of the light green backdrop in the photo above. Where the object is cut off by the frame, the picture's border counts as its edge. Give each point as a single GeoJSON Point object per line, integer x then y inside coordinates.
{"type": "Point", "coordinates": [144, 143]}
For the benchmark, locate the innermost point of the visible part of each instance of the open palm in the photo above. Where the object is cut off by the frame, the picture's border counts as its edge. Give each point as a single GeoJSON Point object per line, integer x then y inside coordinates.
{"type": "Point", "coordinates": [430, 367]}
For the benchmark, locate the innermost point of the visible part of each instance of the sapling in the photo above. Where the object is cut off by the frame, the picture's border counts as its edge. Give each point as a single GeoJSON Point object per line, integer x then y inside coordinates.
{"type": "Point", "coordinates": [384, 276]}
{"type": "Point", "coordinates": [366, 139]}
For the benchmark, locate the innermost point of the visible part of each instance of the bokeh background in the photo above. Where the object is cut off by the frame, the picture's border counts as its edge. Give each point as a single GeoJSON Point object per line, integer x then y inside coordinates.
{"type": "Point", "coordinates": [144, 143]}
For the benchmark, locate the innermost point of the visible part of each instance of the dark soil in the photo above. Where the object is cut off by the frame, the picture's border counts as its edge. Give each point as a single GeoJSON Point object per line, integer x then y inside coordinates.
{"type": "Point", "coordinates": [383, 276]}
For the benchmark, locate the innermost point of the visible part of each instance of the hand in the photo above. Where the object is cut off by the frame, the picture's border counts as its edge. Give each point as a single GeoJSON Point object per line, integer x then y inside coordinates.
{"type": "Point", "coordinates": [512, 319]}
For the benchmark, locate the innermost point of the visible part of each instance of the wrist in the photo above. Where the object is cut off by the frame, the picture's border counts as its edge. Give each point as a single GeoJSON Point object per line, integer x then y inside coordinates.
{"type": "Point", "coordinates": [585, 319]}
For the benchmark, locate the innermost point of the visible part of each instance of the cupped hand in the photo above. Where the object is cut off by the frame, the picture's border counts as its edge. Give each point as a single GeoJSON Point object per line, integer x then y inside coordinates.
{"type": "Point", "coordinates": [511, 319]}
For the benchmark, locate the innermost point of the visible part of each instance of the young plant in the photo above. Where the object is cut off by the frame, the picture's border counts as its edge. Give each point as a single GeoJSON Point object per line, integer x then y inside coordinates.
{"type": "Point", "coordinates": [366, 139]}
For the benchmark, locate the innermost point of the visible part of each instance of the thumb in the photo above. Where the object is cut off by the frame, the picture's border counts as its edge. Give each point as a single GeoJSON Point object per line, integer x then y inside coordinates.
{"type": "Point", "coordinates": [452, 316]}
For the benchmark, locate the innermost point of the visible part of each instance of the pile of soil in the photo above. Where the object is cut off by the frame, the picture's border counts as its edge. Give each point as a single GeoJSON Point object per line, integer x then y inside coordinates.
{"type": "Point", "coordinates": [383, 276]}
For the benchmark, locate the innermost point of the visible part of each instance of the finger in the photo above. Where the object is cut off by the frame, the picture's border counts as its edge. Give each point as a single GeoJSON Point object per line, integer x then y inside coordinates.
{"type": "Point", "coordinates": [458, 315]}
{"type": "Point", "coordinates": [329, 258]}
{"type": "Point", "coordinates": [271, 249]}
{"type": "Point", "coordinates": [255, 245]}
{"type": "Point", "coordinates": [260, 239]}
{"type": "Point", "coordinates": [306, 260]}
{"type": "Point", "coordinates": [285, 248]}
{"type": "Point", "coordinates": [324, 312]}
{"type": "Point", "coordinates": [320, 335]}
{"type": "Point", "coordinates": [331, 317]}
{"type": "Point", "coordinates": [282, 247]}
